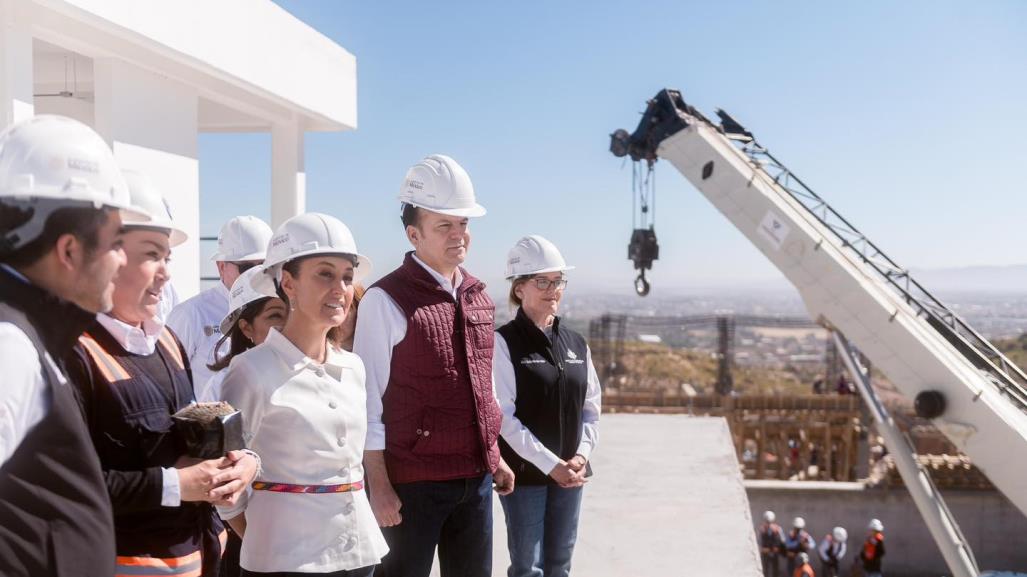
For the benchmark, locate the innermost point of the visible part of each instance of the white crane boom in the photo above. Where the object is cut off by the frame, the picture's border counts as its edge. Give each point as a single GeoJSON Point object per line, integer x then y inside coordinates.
{"type": "Point", "coordinates": [972, 393]}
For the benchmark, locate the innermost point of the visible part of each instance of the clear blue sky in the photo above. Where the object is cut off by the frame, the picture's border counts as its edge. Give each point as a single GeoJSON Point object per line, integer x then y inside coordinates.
{"type": "Point", "coordinates": [908, 116]}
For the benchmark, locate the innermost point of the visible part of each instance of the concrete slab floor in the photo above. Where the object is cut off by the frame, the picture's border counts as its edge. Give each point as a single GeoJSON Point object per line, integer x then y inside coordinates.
{"type": "Point", "coordinates": [666, 499]}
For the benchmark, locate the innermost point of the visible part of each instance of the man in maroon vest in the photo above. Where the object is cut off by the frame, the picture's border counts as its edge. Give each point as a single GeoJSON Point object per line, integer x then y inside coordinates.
{"type": "Point", "coordinates": [425, 333]}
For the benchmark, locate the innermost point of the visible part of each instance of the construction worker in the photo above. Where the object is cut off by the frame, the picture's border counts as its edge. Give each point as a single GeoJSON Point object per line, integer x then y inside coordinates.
{"type": "Point", "coordinates": [798, 540]}
{"type": "Point", "coordinates": [772, 542]}
{"type": "Point", "coordinates": [305, 413]}
{"type": "Point", "coordinates": [242, 243]}
{"type": "Point", "coordinates": [550, 396]}
{"type": "Point", "coordinates": [873, 549]}
{"type": "Point", "coordinates": [425, 333]}
{"type": "Point", "coordinates": [802, 566]}
{"type": "Point", "coordinates": [832, 550]}
{"type": "Point", "coordinates": [251, 315]}
{"type": "Point", "coordinates": [130, 376]}
{"type": "Point", "coordinates": [60, 249]}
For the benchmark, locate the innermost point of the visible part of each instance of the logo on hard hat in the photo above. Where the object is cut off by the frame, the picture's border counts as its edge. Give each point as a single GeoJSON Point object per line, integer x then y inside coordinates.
{"type": "Point", "coordinates": [83, 164]}
{"type": "Point", "coordinates": [280, 239]}
{"type": "Point", "coordinates": [415, 184]}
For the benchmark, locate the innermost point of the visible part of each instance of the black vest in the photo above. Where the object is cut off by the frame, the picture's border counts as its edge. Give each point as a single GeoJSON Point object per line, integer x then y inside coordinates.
{"type": "Point", "coordinates": [130, 422]}
{"type": "Point", "coordinates": [55, 515]}
{"type": "Point", "coordinates": [552, 378]}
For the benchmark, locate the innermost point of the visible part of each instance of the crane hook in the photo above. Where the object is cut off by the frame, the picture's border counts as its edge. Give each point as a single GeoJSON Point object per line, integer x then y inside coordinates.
{"type": "Point", "coordinates": [641, 285]}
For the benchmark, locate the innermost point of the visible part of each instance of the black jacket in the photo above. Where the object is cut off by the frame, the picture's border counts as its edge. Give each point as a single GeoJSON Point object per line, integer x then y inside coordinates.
{"type": "Point", "coordinates": [55, 516]}
{"type": "Point", "coordinates": [552, 380]}
{"type": "Point", "coordinates": [130, 422]}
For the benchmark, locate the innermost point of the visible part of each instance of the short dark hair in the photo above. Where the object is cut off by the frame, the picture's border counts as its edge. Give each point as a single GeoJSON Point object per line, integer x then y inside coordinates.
{"type": "Point", "coordinates": [411, 215]}
{"type": "Point", "coordinates": [84, 222]}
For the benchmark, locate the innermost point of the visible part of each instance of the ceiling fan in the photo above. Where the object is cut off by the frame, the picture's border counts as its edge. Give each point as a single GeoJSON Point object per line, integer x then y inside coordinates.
{"type": "Point", "coordinates": [69, 91]}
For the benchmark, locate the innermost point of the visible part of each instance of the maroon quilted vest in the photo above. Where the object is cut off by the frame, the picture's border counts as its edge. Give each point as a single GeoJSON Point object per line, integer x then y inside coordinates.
{"type": "Point", "coordinates": [441, 417]}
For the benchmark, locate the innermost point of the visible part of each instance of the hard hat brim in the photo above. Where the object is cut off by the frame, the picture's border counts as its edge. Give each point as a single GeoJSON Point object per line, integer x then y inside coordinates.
{"type": "Point", "coordinates": [265, 283]}
{"type": "Point", "coordinates": [220, 257]}
{"type": "Point", "coordinates": [468, 212]}
{"type": "Point", "coordinates": [540, 271]}
{"type": "Point", "coordinates": [176, 236]}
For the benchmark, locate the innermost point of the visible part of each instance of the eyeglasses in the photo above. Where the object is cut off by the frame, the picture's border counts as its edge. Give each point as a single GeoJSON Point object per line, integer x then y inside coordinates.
{"type": "Point", "coordinates": [543, 284]}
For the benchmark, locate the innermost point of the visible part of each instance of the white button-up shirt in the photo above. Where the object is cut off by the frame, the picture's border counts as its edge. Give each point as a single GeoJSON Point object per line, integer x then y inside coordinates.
{"type": "Point", "coordinates": [197, 323]}
{"type": "Point", "coordinates": [381, 325]}
{"type": "Point", "coordinates": [307, 421]}
{"type": "Point", "coordinates": [520, 439]}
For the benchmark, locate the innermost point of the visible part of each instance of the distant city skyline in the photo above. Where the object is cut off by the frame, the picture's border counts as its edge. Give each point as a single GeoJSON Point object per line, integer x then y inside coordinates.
{"type": "Point", "coordinates": [898, 114]}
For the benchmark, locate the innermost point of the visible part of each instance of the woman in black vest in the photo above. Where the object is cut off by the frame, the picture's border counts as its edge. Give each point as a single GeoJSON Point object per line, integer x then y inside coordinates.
{"type": "Point", "coordinates": [550, 396]}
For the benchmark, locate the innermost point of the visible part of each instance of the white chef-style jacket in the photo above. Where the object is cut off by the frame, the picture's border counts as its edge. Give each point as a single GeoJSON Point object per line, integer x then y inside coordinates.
{"type": "Point", "coordinates": [308, 422]}
{"type": "Point", "coordinates": [197, 323]}
{"type": "Point", "coordinates": [520, 439]}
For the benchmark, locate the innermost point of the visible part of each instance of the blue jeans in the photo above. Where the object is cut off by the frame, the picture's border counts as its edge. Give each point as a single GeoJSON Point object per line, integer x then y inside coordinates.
{"type": "Point", "coordinates": [454, 515]}
{"type": "Point", "coordinates": [541, 529]}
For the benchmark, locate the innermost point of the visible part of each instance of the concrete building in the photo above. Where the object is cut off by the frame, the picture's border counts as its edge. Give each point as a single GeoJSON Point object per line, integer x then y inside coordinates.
{"type": "Point", "coordinates": [149, 76]}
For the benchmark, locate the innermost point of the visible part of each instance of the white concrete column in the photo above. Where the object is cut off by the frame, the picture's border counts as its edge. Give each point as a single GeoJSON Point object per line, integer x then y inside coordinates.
{"type": "Point", "coordinates": [151, 123]}
{"type": "Point", "coordinates": [16, 102]}
{"type": "Point", "coordinates": [288, 175]}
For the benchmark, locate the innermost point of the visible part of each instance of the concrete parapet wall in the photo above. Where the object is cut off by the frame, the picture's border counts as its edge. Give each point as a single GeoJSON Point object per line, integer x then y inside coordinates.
{"type": "Point", "coordinates": [996, 530]}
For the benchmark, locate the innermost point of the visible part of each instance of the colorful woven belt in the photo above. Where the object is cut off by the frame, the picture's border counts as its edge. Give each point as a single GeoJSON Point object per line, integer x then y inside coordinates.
{"type": "Point", "coordinates": [290, 488]}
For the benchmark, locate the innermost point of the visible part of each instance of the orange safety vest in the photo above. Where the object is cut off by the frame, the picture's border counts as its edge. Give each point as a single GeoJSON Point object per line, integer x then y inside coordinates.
{"type": "Point", "coordinates": [870, 546]}
{"type": "Point", "coordinates": [804, 571]}
{"type": "Point", "coordinates": [190, 565]}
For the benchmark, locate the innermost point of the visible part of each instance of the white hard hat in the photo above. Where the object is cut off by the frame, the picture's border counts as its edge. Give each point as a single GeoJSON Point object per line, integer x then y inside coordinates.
{"type": "Point", "coordinates": [769, 516]}
{"type": "Point", "coordinates": [50, 162]}
{"type": "Point", "coordinates": [799, 523]}
{"type": "Point", "coordinates": [242, 238]}
{"type": "Point", "coordinates": [306, 235]}
{"type": "Point", "coordinates": [803, 557]}
{"type": "Point", "coordinates": [440, 185]}
{"type": "Point", "coordinates": [242, 294]}
{"type": "Point", "coordinates": [876, 525]}
{"type": "Point", "coordinates": [146, 198]}
{"type": "Point", "coordinates": [534, 254]}
{"type": "Point", "coordinates": [840, 534]}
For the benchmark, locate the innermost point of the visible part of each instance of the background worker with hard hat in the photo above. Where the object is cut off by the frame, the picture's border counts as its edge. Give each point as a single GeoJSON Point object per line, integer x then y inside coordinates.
{"type": "Point", "coordinates": [873, 549]}
{"type": "Point", "coordinates": [251, 315]}
{"type": "Point", "coordinates": [425, 333]}
{"type": "Point", "coordinates": [60, 249]}
{"type": "Point", "coordinates": [802, 566]}
{"type": "Point", "coordinates": [772, 542]}
{"type": "Point", "coordinates": [304, 410]}
{"type": "Point", "coordinates": [798, 540]}
{"type": "Point", "coordinates": [831, 551]}
{"type": "Point", "coordinates": [242, 243]}
{"type": "Point", "coordinates": [550, 396]}
{"type": "Point", "coordinates": [130, 376]}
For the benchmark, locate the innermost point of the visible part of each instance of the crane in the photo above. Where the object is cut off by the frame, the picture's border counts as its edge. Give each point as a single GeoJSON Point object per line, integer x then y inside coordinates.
{"type": "Point", "coordinates": [973, 394]}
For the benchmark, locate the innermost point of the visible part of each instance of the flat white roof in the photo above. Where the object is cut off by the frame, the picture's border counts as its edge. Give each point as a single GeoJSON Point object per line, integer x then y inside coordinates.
{"type": "Point", "coordinates": [254, 62]}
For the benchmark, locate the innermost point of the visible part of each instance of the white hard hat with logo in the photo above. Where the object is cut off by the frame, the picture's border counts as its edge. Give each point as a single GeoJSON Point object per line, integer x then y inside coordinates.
{"type": "Point", "coordinates": [307, 235]}
{"type": "Point", "coordinates": [242, 238]}
{"type": "Point", "coordinates": [440, 185]}
{"type": "Point", "coordinates": [242, 294]}
{"type": "Point", "coordinates": [534, 254]}
{"type": "Point", "coordinates": [146, 198]}
{"type": "Point", "coordinates": [840, 534]}
{"type": "Point", "coordinates": [50, 162]}
{"type": "Point", "coordinates": [876, 525]}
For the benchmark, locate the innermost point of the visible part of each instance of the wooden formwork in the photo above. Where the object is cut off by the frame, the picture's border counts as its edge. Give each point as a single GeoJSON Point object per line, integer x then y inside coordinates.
{"type": "Point", "coordinates": [776, 436]}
